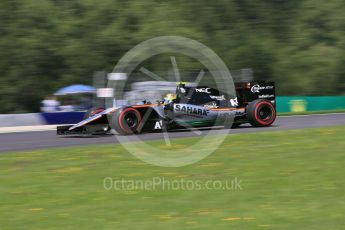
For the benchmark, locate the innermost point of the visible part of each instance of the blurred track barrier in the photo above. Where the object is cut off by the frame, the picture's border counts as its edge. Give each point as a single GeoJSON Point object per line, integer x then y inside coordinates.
{"type": "Point", "coordinates": [28, 119]}
{"type": "Point", "coordinates": [34, 119]}
{"type": "Point", "coordinates": [309, 104]}
{"type": "Point", "coordinates": [62, 117]}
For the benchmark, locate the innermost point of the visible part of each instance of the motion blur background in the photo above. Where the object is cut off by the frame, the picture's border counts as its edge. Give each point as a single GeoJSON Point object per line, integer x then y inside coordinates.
{"type": "Point", "coordinates": [48, 44]}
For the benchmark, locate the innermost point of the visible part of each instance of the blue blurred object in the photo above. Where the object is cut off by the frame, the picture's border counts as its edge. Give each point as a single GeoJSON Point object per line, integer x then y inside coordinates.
{"type": "Point", "coordinates": [63, 117]}
{"type": "Point", "coordinates": [75, 89]}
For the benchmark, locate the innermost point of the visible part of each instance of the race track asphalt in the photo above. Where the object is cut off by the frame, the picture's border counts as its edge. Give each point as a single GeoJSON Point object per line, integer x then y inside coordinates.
{"type": "Point", "coordinates": [10, 142]}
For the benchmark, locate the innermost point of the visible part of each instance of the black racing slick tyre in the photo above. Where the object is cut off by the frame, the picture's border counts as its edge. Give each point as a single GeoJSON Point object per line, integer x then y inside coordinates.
{"type": "Point", "coordinates": [261, 113]}
{"type": "Point", "coordinates": [126, 121]}
{"type": "Point", "coordinates": [92, 112]}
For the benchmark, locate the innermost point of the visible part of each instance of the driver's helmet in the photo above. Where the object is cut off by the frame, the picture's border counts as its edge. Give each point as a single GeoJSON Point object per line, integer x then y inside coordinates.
{"type": "Point", "coordinates": [170, 97]}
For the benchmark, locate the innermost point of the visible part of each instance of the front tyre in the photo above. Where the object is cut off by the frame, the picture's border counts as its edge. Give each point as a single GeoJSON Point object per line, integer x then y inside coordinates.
{"type": "Point", "coordinates": [126, 121]}
{"type": "Point", "coordinates": [261, 113]}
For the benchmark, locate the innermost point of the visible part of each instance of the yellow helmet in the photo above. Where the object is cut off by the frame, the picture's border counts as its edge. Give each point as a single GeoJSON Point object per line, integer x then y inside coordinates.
{"type": "Point", "coordinates": [169, 98]}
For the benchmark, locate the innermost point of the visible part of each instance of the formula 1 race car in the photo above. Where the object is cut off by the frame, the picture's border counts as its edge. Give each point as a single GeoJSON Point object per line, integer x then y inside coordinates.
{"type": "Point", "coordinates": [189, 107]}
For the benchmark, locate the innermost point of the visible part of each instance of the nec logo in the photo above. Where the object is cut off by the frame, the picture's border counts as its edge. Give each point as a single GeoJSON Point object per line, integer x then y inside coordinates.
{"type": "Point", "coordinates": [203, 90]}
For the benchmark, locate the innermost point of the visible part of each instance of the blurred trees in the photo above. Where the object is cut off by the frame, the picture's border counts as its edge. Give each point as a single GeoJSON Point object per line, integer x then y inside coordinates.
{"type": "Point", "coordinates": [48, 44]}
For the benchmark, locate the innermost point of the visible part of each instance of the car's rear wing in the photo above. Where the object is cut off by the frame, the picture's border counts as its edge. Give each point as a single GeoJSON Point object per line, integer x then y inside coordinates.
{"type": "Point", "coordinates": [250, 91]}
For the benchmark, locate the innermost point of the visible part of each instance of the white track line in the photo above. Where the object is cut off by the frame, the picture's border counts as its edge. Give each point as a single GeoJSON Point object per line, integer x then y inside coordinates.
{"type": "Point", "coordinates": [23, 129]}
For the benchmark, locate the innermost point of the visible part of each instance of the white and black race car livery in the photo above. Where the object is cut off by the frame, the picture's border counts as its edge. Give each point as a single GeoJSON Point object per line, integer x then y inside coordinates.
{"type": "Point", "coordinates": [253, 103]}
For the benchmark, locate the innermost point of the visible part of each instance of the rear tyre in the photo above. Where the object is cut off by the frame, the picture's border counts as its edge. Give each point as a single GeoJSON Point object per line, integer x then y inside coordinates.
{"type": "Point", "coordinates": [261, 113]}
{"type": "Point", "coordinates": [126, 121]}
{"type": "Point", "coordinates": [92, 112]}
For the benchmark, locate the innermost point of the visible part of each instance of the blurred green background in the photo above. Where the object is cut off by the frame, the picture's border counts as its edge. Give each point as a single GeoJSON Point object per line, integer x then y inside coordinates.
{"type": "Point", "coordinates": [48, 44]}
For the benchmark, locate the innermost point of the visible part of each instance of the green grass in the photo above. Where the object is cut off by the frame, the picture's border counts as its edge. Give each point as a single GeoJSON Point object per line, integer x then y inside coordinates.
{"type": "Point", "coordinates": [290, 180]}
